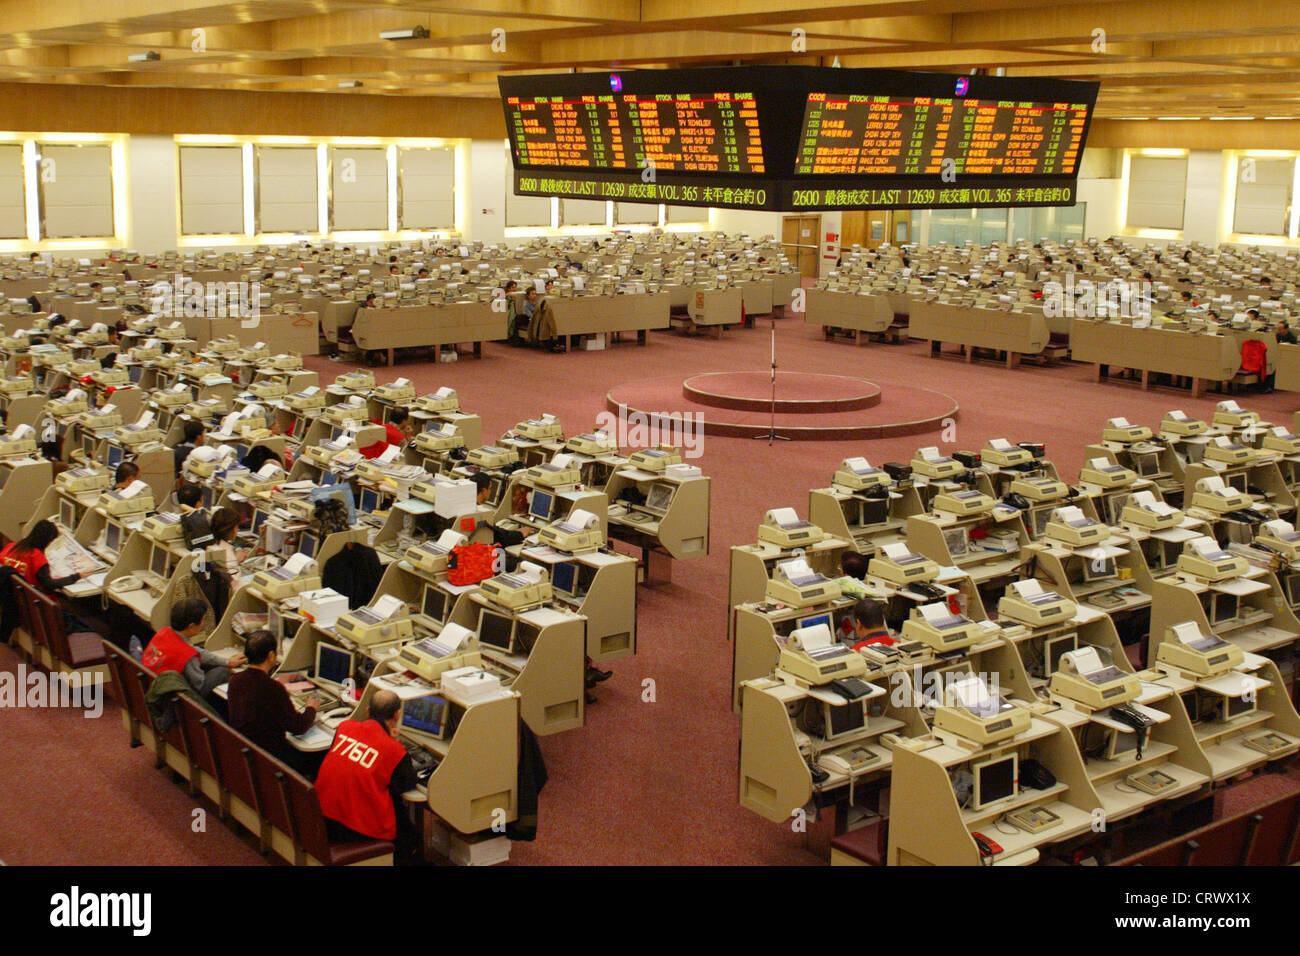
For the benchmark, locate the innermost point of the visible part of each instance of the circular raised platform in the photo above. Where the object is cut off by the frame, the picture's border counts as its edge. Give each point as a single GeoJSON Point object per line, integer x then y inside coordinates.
{"type": "Point", "coordinates": [810, 407]}
{"type": "Point", "coordinates": [797, 392]}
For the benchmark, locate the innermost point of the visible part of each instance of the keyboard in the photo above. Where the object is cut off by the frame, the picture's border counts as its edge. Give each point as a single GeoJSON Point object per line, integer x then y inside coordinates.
{"type": "Point", "coordinates": [1033, 819]}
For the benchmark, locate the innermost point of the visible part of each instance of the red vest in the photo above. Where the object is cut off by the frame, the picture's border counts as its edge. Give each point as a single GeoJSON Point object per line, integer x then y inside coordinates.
{"type": "Point", "coordinates": [27, 563]}
{"type": "Point", "coordinates": [168, 651]}
{"type": "Point", "coordinates": [353, 781]}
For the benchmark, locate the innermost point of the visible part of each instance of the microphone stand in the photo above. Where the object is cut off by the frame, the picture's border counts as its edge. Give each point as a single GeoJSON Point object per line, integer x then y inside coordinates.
{"type": "Point", "coordinates": [771, 435]}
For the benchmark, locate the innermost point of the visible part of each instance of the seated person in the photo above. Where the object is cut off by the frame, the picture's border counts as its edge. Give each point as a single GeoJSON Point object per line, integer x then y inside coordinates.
{"type": "Point", "coordinates": [363, 777]}
{"type": "Point", "coordinates": [398, 430]}
{"type": "Point", "coordinates": [542, 330]}
{"type": "Point", "coordinates": [505, 537]}
{"type": "Point", "coordinates": [260, 708]}
{"type": "Point", "coordinates": [225, 526]}
{"type": "Point", "coordinates": [192, 438]}
{"type": "Point", "coordinates": [171, 650]}
{"type": "Point", "coordinates": [189, 498]}
{"type": "Point", "coordinates": [854, 565]}
{"type": "Point", "coordinates": [867, 625]}
{"type": "Point", "coordinates": [126, 473]}
{"type": "Point", "coordinates": [27, 557]}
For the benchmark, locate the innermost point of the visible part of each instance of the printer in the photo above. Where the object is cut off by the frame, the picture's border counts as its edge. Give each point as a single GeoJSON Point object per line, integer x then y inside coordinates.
{"type": "Point", "coordinates": [80, 368]}
{"type": "Point", "coordinates": [561, 470]}
{"type": "Point", "coordinates": [1281, 536]}
{"type": "Point", "coordinates": [1084, 677]}
{"type": "Point", "coordinates": [489, 457]}
{"type": "Point", "coordinates": [813, 656]}
{"type": "Point", "coordinates": [935, 626]}
{"type": "Point", "coordinates": [1223, 449]}
{"type": "Point", "coordinates": [323, 455]}
{"type": "Point", "coordinates": [1106, 474]}
{"type": "Point", "coordinates": [1039, 488]}
{"type": "Point", "coordinates": [546, 428]}
{"type": "Point", "coordinates": [1028, 602]}
{"type": "Point", "coordinates": [177, 395]}
{"type": "Point", "coordinates": [19, 442]}
{"type": "Point", "coordinates": [16, 386]}
{"type": "Point", "coordinates": [1003, 454]}
{"type": "Point", "coordinates": [284, 362]}
{"type": "Point", "coordinates": [73, 403]}
{"type": "Point", "coordinates": [931, 464]}
{"type": "Point", "coordinates": [135, 498]}
{"type": "Point", "coordinates": [856, 474]}
{"type": "Point", "coordinates": [897, 565]}
{"type": "Point", "coordinates": [80, 481]}
{"type": "Point", "coordinates": [443, 400]}
{"type": "Point", "coordinates": [1203, 559]}
{"type": "Point", "coordinates": [374, 469]}
{"type": "Point", "coordinates": [577, 533]}
{"type": "Point", "coordinates": [96, 419]}
{"type": "Point", "coordinates": [962, 502]}
{"type": "Point", "coordinates": [163, 527]}
{"type": "Point", "coordinates": [528, 586]}
{"type": "Point", "coordinates": [306, 400]}
{"type": "Point", "coordinates": [359, 380]}
{"type": "Point", "coordinates": [1188, 653]}
{"type": "Point", "coordinates": [795, 584]}
{"type": "Point", "coordinates": [1120, 431]}
{"type": "Point", "coordinates": [253, 353]}
{"type": "Point", "coordinates": [300, 573]}
{"type": "Point", "coordinates": [1281, 441]}
{"type": "Point", "coordinates": [971, 711]}
{"type": "Point", "coordinates": [1182, 425]}
{"type": "Point", "coordinates": [226, 345]}
{"type": "Point", "coordinates": [439, 439]}
{"type": "Point", "coordinates": [383, 622]}
{"type": "Point", "coordinates": [355, 409]}
{"type": "Point", "coordinates": [592, 443]}
{"type": "Point", "coordinates": [1229, 414]}
{"type": "Point", "coordinates": [269, 389]}
{"type": "Point", "coordinates": [655, 459]}
{"type": "Point", "coordinates": [454, 647]}
{"type": "Point", "coordinates": [106, 377]}
{"type": "Point", "coordinates": [430, 557]}
{"type": "Point", "coordinates": [207, 408]}
{"type": "Point", "coordinates": [260, 482]}
{"type": "Point", "coordinates": [399, 390]}
{"type": "Point", "coordinates": [785, 529]}
{"type": "Point", "coordinates": [205, 461]}
{"type": "Point", "coordinates": [1143, 510]}
{"type": "Point", "coordinates": [1212, 494]}
{"type": "Point", "coordinates": [1070, 526]}
{"type": "Point", "coordinates": [140, 432]}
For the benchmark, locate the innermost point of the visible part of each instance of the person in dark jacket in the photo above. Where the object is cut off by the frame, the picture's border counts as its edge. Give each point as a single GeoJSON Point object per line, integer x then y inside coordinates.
{"type": "Point", "coordinates": [260, 707]}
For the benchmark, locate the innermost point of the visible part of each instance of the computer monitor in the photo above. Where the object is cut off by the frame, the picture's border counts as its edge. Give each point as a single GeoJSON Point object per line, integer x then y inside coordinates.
{"type": "Point", "coordinates": [958, 541]}
{"type": "Point", "coordinates": [1098, 569]}
{"type": "Point", "coordinates": [818, 619]}
{"type": "Point", "coordinates": [369, 500]}
{"type": "Point", "coordinates": [495, 630]}
{"type": "Point", "coordinates": [158, 561]}
{"type": "Point", "coordinates": [659, 498]}
{"type": "Point", "coordinates": [495, 489]}
{"type": "Point", "coordinates": [333, 665]}
{"type": "Point", "coordinates": [843, 719]}
{"type": "Point", "coordinates": [114, 455]}
{"type": "Point", "coordinates": [307, 544]}
{"type": "Point", "coordinates": [209, 495]}
{"type": "Point", "coordinates": [563, 576]}
{"type": "Point", "coordinates": [89, 445]}
{"type": "Point", "coordinates": [526, 636]}
{"type": "Point", "coordinates": [241, 451]}
{"type": "Point", "coordinates": [995, 779]}
{"type": "Point", "coordinates": [67, 514]}
{"type": "Point", "coordinates": [540, 506]}
{"type": "Point", "coordinates": [1225, 608]}
{"type": "Point", "coordinates": [426, 715]}
{"type": "Point", "coordinates": [259, 519]}
{"type": "Point", "coordinates": [1234, 707]}
{"type": "Point", "coordinates": [113, 537]}
{"type": "Point", "coordinates": [434, 603]}
{"type": "Point", "coordinates": [1115, 507]}
{"type": "Point", "coordinates": [1054, 647]}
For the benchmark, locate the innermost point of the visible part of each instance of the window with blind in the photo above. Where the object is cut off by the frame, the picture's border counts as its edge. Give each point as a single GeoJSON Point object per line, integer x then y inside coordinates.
{"type": "Point", "coordinates": [630, 213]}
{"type": "Point", "coordinates": [1263, 205]}
{"type": "Point", "coordinates": [582, 212]}
{"type": "Point", "coordinates": [1157, 188]}
{"type": "Point", "coordinates": [212, 190]}
{"type": "Point", "coordinates": [358, 188]}
{"type": "Point", "coordinates": [287, 189]}
{"type": "Point", "coordinates": [687, 214]}
{"type": "Point", "coordinates": [76, 190]}
{"type": "Point", "coordinates": [427, 183]}
{"type": "Point", "coordinates": [13, 201]}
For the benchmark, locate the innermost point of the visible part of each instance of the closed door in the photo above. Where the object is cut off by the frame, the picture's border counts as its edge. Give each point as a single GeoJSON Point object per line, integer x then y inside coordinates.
{"type": "Point", "coordinates": [799, 238]}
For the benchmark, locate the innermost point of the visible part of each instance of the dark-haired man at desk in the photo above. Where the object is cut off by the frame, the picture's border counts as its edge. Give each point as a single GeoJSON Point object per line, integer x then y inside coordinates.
{"type": "Point", "coordinates": [363, 777]}
{"type": "Point", "coordinates": [260, 707]}
{"type": "Point", "coordinates": [867, 620]}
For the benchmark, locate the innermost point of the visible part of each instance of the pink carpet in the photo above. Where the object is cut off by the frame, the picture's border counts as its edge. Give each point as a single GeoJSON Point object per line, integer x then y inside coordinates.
{"type": "Point", "coordinates": [642, 782]}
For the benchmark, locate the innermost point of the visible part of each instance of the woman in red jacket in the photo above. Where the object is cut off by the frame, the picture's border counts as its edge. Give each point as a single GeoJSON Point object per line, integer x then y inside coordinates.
{"type": "Point", "coordinates": [27, 557]}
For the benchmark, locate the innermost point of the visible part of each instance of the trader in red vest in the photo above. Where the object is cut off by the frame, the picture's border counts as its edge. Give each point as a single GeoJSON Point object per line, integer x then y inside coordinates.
{"type": "Point", "coordinates": [171, 650]}
{"type": "Point", "coordinates": [363, 777]}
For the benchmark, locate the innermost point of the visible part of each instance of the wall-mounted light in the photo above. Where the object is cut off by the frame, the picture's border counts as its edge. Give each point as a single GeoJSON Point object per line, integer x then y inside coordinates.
{"type": "Point", "coordinates": [144, 57]}
{"type": "Point", "coordinates": [414, 33]}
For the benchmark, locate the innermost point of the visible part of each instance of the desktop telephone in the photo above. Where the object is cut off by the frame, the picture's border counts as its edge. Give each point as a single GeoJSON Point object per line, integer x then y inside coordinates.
{"type": "Point", "coordinates": [1133, 718]}
{"type": "Point", "coordinates": [333, 718]}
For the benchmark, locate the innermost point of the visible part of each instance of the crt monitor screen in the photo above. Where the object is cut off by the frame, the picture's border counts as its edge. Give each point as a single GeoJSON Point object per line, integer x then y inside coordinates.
{"type": "Point", "coordinates": [1097, 569]}
{"type": "Point", "coordinates": [158, 561]}
{"type": "Point", "coordinates": [495, 630]}
{"type": "Point", "coordinates": [259, 519]}
{"type": "Point", "coordinates": [994, 780]}
{"type": "Point", "coordinates": [209, 496]}
{"type": "Point", "coordinates": [495, 489]}
{"type": "Point", "coordinates": [426, 715]}
{"type": "Point", "coordinates": [1054, 648]}
{"type": "Point", "coordinates": [659, 498]}
{"type": "Point", "coordinates": [88, 445]}
{"type": "Point", "coordinates": [67, 514]}
{"type": "Point", "coordinates": [818, 619]}
{"type": "Point", "coordinates": [540, 508]}
{"type": "Point", "coordinates": [1225, 607]}
{"type": "Point", "coordinates": [369, 500]}
{"type": "Point", "coordinates": [114, 455]}
{"type": "Point", "coordinates": [113, 537]}
{"type": "Point", "coordinates": [333, 664]}
{"type": "Point", "coordinates": [307, 544]}
{"type": "Point", "coordinates": [563, 576]}
{"type": "Point", "coordinates": [844, 719]}
{"type": "Point", "coordinates": [434, 605]}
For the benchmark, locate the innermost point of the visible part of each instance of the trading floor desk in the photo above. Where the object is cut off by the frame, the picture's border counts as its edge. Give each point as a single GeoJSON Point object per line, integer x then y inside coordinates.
{"type": "Point", "coordinates": [608, 315]}
{"type": "Point", "coordinates": [428, 325]}
{"type": "Point", "coordinates": [715, 308]}
{"type": "Point", "coordinates": [673, 520]}
{"type": "Point", "coordinates": [1015, 333]}
{"type": "Point", "coordinates": [282, 332]}
{"type": "Point", "coordinates": [1286, 360]}
{"type": "Point", "coordinates": [860, 314]}
{"type": "Point", "coordinates": [1195, 355]}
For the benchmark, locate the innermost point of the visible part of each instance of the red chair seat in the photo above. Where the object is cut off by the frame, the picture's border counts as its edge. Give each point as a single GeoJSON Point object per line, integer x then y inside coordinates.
{"type": "Point", "coordinates": [356, 851]}
{"type": "Point", "coordinates": [86, 649]}
{"type": "Point", "coordinates": [866, 843]}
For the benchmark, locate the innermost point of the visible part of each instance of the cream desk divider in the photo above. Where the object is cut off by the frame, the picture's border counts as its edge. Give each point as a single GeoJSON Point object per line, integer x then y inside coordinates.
{"type": "Point", "coordinates": [1015, 333]}
{"type": "Point", "coordinates": [1161, 465]}
{"type": "Point", "coordinates": [1262, 474]}
{"type": "Point", "coordinates": [863, 315]}
{"type": "Point", "coordinates": [27, 410]}
{"type": "Point", "coordinates": [1091, 574]}
{"type": "Point", "coordinates": [681, 532]}
{"type": "Point", "coordinates": [760, 631]}
{"type": "Point", "coordinates": [752, 566]}
{"type": "Point", "coordinates": [757, 296]}
{"type": "Point", "coordinates": [600, 586]}
{"type": "Point", "coordinates": [387, 330]}
{"type": "Point", "coordinates": [549, 674]}
{"type": "Point", "coordinates": [1202, 357]}
{"type": "Point", "coordinates": [713, 308]}
{"type": "Point", "coordinates": [1287, 357]}
{"type": "Point", "coordinates": [608, 315]}
{"type": "Point", "coordinates": [775, 753]}
{"type": "Point", "coordinates": [870, 523]}
{"type": "Point", "coordinates": [282, 332]}
{"type": "Point", "coordinates": [150, 604]}
{"type": "Point", "coordinates": [946, 539]}
{"type": "Point", "coordinates": [23, 482]}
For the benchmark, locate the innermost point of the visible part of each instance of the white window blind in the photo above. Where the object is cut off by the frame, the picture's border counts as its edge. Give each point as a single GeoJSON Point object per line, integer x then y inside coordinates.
{"type": "Point", "coordinates": [287, 190]}
{"type": "Point", "coordinates": [688, 214]}
{"type": "Point", "coordinates": [13, 204]}
{"type": "Point", "coordinates": [1157, 188]}
{"type": "Point", "coordinates": [212, 190]}
{"type": "Point", "coordinates": [428, 188]}
{"type": "Point", "coordinates": [582, 212]}
{"type": "Point", "coordinates": [359, 188]}
{"type": "Point", "coordinates": [626, 213]}
{"type": "Point", "coordinates": [1263, 196]}
{"type": "Point", "coordinates": [76, 184]}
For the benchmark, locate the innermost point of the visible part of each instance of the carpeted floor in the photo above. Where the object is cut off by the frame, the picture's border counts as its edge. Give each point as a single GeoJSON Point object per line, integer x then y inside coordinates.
{"type": "Point", "coordinates": [643, 781]}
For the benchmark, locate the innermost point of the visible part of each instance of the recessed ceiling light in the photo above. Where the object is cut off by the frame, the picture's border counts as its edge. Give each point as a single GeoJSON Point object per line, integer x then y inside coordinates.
{"type": "Point", "coordinates": [414, 33]}
{"type": "Point", "coordinates": [144, 57]}
{"type": "Point", "coordinates": [349, 84]}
